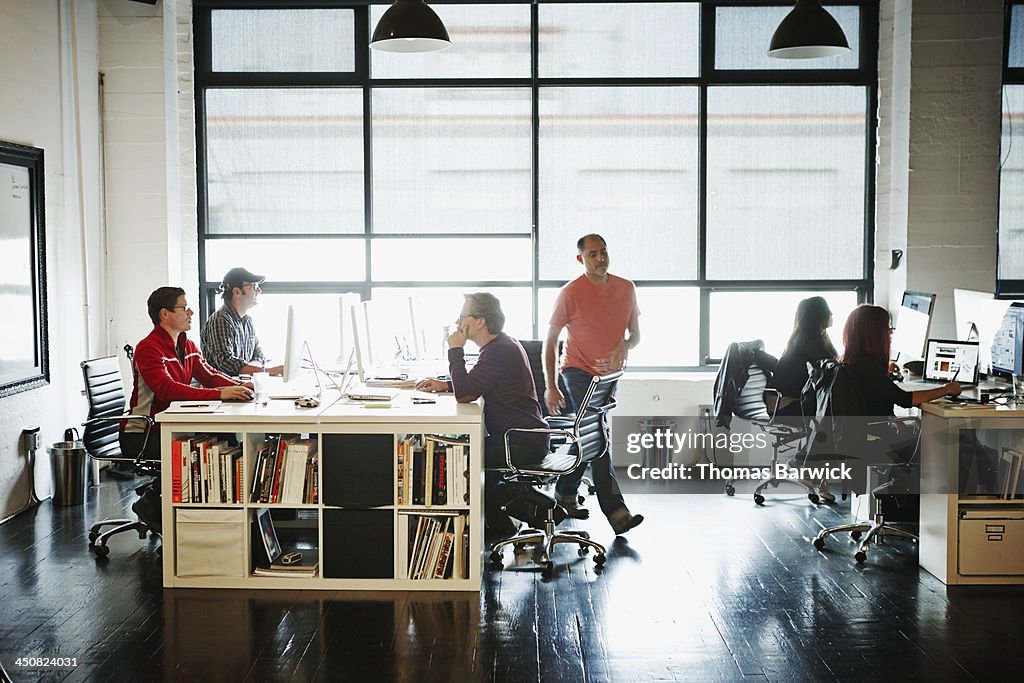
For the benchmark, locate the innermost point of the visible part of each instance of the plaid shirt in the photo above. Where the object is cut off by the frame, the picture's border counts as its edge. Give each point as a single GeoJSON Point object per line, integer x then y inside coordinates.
{"type": "Point", "coordinates": [229, 341]}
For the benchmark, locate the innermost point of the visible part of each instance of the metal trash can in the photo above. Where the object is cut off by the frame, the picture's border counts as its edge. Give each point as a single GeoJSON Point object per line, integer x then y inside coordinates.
{"type": "Point", "coordinates": [68, 464]}
{"type": "Point", "coordinates": [655, 457]}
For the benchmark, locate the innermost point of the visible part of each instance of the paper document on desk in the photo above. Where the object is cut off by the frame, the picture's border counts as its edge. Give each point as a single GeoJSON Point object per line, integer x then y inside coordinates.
{"type": "Point", "coordinates": [194, 407]}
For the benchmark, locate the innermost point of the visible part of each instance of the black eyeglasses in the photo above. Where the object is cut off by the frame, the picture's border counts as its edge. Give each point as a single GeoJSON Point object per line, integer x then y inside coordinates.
{"type": "Point", "coordinates": [174, 308]}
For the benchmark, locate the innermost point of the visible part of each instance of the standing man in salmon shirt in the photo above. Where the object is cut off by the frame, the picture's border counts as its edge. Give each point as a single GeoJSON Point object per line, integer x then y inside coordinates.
{"type": "Point", "coordinates": [600, 312]}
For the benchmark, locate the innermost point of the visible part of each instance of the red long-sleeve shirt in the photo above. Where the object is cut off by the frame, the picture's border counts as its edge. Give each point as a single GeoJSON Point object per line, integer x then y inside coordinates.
{"type": "Point", "coordinates": [161, 378]}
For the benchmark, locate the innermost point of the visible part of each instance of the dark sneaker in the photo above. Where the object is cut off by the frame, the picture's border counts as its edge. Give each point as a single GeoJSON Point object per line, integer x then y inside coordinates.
{"type": "Point", "coordinates": [147, 507]}
{"type": "Point", "coordinates": [626, 523]}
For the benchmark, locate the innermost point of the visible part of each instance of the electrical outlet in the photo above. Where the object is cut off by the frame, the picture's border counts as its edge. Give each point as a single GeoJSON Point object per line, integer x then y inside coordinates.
{"type": "Point", "coordinates": [32, 439]}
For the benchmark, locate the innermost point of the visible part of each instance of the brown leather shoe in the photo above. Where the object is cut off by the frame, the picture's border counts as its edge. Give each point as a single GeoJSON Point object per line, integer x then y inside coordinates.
{"type": "Point", "coordinates": [630, 522]}
{"type": "Point", "coordinates": [575, 511]}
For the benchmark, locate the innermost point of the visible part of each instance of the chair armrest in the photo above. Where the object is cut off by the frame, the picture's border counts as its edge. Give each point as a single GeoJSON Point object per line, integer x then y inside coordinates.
{"type": "Point", "coordinates": [539, 430]}
{"type": "Point", "coordinates": [118, 418]}
{"type": "Point", "coordinates": [560, 421]}
{"type": "Point", "coordinates": [128, 416]}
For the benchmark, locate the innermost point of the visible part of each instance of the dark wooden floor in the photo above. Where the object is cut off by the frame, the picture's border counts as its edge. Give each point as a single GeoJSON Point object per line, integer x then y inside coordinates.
{"type": "Point", "coordinates": [708, 589]}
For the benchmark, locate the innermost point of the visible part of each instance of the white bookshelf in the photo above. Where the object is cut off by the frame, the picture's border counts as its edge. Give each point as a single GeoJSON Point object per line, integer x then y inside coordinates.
{"type": "Point", "coordinates": [210, 545]}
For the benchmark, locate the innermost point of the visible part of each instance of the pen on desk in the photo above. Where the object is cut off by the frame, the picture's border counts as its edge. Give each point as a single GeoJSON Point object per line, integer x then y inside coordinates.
{"type": "Point", "coordinates": [195, 405]}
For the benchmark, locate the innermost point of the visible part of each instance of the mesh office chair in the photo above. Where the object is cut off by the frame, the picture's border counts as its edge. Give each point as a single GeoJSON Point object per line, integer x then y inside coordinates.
{"type": "Point", "coordinates": [589, 431]}
{"type": "Point", "coordinates": [837, 431]}
{"type": "Point", "coordinates": [105, 393]}
{"type": "Point", "coordinates": [535, 355]}
{"type": "Point", "coordinates": [741, 390]}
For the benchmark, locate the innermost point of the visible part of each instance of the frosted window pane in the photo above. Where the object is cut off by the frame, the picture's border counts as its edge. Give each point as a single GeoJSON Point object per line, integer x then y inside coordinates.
{"type": "Point", "coordinates": [621, 162]}
{"type": "Point", "coordinates": [285, 161]}
{"type": "Point", "coordinates": [669, 325]}
{"type": "Point", "coordinates": [786, 182]}
{"type": "Point", "coordinates": [451, 160]}
{"type": "Point", "coordinates": [283, 40]}
{"type": "Point", "coordinates": [768, 316]}
{"type": "Point", "coordinates": [436, 308]}
{"type": "Point", "coordinates": [743, 34]}
{"type": "Point", "coordinates": [316, 319]}
{"type": "Point", "coordinates": [301, 260]}
{"type": "Point", "coordinates": [1016, 48]}
{"type": "Point", "coordinates": [439, 260]}
{"type": "Point", "coordinates": [1011, 186]}
{"type": "Point", "coordinates": [628, 39]}
{"type": "Point", "coordinates": [491, 41]}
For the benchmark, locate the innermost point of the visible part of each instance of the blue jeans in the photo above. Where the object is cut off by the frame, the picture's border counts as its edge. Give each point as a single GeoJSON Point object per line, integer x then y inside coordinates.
{"type": "Point", "coordinates": [574, 384]}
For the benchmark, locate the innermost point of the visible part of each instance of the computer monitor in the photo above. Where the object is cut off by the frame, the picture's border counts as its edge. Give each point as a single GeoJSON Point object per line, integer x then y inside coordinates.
{"type": "Point", "coordinates": [292, 348]}
{"type": "Point", "coordinates": [1008, 342]}
{"type": "Point", "coordinates": [912, 325]}
{"type": "Point", "coordinates": [979, 315]}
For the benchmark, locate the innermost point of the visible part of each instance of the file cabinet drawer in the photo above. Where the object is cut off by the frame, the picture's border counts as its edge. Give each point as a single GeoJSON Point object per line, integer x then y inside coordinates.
{"type": "Point", "coordinates": [991, 547]}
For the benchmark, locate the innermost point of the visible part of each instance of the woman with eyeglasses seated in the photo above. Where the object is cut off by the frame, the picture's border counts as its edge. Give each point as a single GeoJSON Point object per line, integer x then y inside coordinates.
{"type": "Point", "coordinates": [808, 342]}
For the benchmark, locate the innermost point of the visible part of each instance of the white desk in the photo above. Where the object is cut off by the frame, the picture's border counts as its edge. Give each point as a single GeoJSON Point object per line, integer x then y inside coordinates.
{"type": "Point", "coordinates": [955, 548]}
{"type": "Point", "coordinates": [250, 423]}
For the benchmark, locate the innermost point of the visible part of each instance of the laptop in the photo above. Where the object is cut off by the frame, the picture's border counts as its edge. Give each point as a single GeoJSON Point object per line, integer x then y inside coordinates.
{"type": "Point", "coordinates": [946, 360]}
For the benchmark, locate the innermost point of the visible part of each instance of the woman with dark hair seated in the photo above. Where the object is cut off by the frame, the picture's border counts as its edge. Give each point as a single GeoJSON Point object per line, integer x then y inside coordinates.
{"type": "Point", "coordinates": [808, 342]}
{"type": "Point", "coordinates": [866, 338]}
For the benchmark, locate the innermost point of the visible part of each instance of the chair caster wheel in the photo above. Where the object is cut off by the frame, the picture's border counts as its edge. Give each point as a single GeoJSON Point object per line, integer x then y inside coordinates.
{"type": "Point", "coordinates": [860, 556]}
{"type": "Point", "coordinates": [759, 499]}
{"type": "Point", "coordinates": [547, 569]}
{"type": "Point", "coordinates": [855, 535]}
{"type": "Point", "coordinates": [819, 543]}
{"type": "Point", "coordinates": [730, 490]}
{"type": "Point", "coordinates": [495, 558]}
{"type": "Point", "coordinates": [582, 552]}
{"type": "Point", "coordinates": [101, 550]}
{"type": "Point", "coordinates": [599, 560]}
{"type": "Point", "coordinates": [591, 489]}
{"type": "Point", "coordinates": [581, 500]}
{"type": "Point", "coordinates": [813, 497]}
{"type": "Point", "coordinates": [93, 535]}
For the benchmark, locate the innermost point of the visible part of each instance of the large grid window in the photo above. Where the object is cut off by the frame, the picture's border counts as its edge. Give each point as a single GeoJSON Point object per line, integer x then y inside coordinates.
{"type": "Point", "coordinates": [727, 185]}
{"type": "Point", "coordinates": [1010, 240]}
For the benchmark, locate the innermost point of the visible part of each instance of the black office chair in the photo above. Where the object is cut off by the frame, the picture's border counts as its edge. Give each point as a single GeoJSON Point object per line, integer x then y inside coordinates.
{"type": "Point", "coordinates": [589, 431]}
{"type": "Point", "coordinates": [535, 355]}
{"type": "Point", "coordinates": [105, 393]}
{"type": "Point", "coordinates": [741, 390]}
{"type": "Point", "coordinates": [838, 431]}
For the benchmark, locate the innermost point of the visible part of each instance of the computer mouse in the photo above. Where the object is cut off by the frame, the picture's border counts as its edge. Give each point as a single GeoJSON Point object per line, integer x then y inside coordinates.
{"type": "Point", "coordinates": [307, 402]}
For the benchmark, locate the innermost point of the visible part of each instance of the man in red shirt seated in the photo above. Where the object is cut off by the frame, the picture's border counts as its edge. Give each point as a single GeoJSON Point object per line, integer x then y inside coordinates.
{"type": "Point", "coordinates": [165, 364]}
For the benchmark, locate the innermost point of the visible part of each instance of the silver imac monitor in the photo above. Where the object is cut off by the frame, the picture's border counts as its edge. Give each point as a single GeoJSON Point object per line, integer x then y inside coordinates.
{"type": "Point", "coordinates": [913, 321]}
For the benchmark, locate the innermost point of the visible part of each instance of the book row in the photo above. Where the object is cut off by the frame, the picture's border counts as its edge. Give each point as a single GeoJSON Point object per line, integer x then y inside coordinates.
{"type": "Point", "coordinates": [433, 546]}
{"type": "Point", "coordinates": [206, 469]}
{"type": "Point", "coordinates": [431, 471]}
{"type": "Point", "coordinates": [286, 471]}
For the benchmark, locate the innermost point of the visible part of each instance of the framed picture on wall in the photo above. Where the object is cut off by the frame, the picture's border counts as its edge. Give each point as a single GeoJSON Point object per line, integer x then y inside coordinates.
{"type": "Point", "coordinates": [24, 362]}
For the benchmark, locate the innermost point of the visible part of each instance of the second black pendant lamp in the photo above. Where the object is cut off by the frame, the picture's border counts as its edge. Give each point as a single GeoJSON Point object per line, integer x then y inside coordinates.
{"type": "Point", "coordinates": [410, 26]}
{"type": "Point", "coordinates": [808, 32]}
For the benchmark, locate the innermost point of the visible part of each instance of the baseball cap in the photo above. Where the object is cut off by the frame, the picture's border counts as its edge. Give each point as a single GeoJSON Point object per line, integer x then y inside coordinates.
{"type": "Point", "coordinates": [236, 277]}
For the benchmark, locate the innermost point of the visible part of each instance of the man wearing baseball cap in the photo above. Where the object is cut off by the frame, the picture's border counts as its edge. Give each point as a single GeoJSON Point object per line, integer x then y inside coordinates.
{"type": "Point", "coordinates": [229, 337]}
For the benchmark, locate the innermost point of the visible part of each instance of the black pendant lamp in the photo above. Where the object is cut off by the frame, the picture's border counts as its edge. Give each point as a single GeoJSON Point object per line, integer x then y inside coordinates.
{"type": "Point", "coordinates": [410, 26]}
{"type": "Point", "coordinates": [808, 32]}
